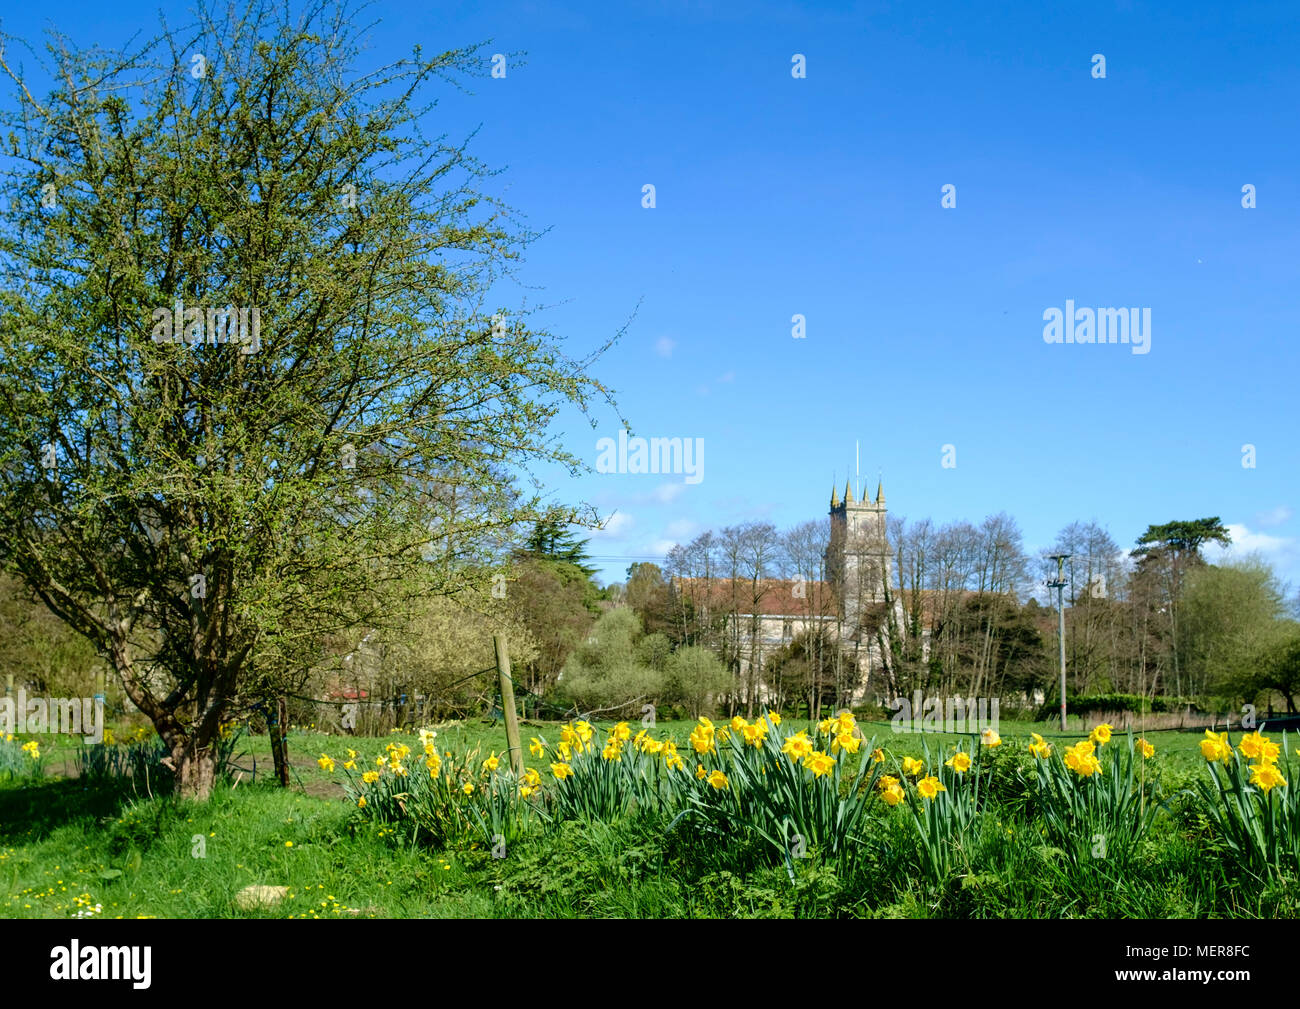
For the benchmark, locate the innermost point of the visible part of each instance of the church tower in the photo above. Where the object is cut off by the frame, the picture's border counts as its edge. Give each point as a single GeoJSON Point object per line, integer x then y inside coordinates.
{"type": "Point", "coordinates": [859, 562]}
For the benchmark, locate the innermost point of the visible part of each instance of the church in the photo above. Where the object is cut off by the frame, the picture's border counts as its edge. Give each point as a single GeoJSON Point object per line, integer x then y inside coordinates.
{"type": "Point", "coordinates": [851, 603]}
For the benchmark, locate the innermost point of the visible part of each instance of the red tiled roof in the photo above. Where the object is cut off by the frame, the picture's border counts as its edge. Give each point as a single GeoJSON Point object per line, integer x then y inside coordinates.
{"type": "Point", "coordinates": [771, 597]}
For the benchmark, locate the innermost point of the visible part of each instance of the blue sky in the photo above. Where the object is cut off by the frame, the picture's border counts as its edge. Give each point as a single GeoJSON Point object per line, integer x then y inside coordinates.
{"type": "Point", "coordinates": [778, 196]}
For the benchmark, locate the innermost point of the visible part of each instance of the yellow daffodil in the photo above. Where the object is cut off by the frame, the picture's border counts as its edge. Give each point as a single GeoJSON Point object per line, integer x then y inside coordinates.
{"type": "Point", "coordinates": [326, 763]}
{"type": "Point", "coordinates": [1146, 749]}
{"type": "Point", "coordinates": [912, 766]}
{"type": "Point", "coordinates": [361, 802]}
{"type": "Point", "coordinates": [1080, 759]}
{"type": "Point", "coordinates": [877, 756]}
{"type": "Point", "coordinates": [930, 787]}
{"type": "Point", "coordinates": [702, 739]}
{"type": "Point", "coordinates": [700, 772]}
{"type": "Point", "coordinates": [990, 737]}
{"type": "Point", "coordinates": [1216, 747]}
{"type": "Point", "coordinates": [1040, 749]}
{"type": "Point", "coordinates": [774, 717]}
{"type": "Point", "coordinates": [492, 762]}
{"type": "Point", "coordinates": [370, 777]}
{"type": "Point", "coordinates": [1249, 745]}
{"type": "Point", "coordinates": [1101, 734]}
{"type": "Point", "coordinates": [959, 762]}
{"type": "Point", "coordinates": [561, 771]}
{"type": "Point", "coordinates": [798, 746]}
{"type": "Point", "coordinates": [846, 741]}
{"type": "Point", "coordinates": [819, 763]}
{"type": "Point", "coordinates": [825, 726]}
{"type": "Point", "coordinates": [1266, 776]}
{"type": "Point", "coordinates": [718, 780]}
{"type": "Point", "coordinates": [468, 788]}
{"type": "Point", "coordinates": [535, 747]}
{"type": "Point", "coordinates": [892, 795]}
{"type": "Point", "coordinates": [1257, 747]}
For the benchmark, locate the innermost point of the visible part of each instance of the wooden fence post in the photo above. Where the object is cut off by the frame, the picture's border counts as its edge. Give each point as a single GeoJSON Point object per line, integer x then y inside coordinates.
{"type": "Point", "coordinates": [508, 703]}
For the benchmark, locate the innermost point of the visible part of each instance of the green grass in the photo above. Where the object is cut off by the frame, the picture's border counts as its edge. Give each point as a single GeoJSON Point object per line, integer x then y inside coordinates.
{"type": "Point", "coordinates": [62, 839]}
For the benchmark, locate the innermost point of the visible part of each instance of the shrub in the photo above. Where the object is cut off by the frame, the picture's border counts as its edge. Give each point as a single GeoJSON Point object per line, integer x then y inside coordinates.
{"type": "Point", "coordinates": [694, 676]}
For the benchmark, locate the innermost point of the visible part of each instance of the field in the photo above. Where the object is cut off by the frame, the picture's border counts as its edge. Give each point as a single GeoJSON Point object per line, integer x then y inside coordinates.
{"type": "Point", "coordinates": [69, 846]}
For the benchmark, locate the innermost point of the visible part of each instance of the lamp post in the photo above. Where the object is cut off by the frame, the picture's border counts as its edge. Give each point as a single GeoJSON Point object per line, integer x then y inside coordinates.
{"type": "Point", "coordinates": [1059, 584]}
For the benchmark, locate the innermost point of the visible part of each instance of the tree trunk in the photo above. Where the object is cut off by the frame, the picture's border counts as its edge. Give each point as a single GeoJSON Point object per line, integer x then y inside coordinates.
{"type": "Point", "coordinates": [279, 743]}
{"type": "Point", "coordinates": [196, 770]}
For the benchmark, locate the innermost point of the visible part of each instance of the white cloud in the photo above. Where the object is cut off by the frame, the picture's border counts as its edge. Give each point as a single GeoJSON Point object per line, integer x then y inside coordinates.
{"type": "Point", "coordinates": [1282, 552]}
{"type": "Point", "coordinates": [1274, 517]}
{"type": "Point", "coordinates": [664, 346]}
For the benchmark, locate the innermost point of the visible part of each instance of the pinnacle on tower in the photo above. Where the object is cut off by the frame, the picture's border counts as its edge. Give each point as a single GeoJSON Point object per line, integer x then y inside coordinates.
{"type": "Point", "coordinates": [835, 497]}
{"type": "Point", "coordinates": [880, 492]}
{"type": "Point", "coordinates": [848, 492]}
